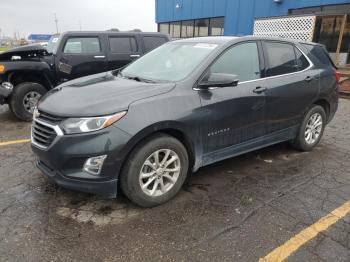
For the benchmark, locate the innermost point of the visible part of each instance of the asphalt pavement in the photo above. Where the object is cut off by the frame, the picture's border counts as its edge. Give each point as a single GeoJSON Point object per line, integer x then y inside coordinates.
{"type": "Point", "coordinates": [268, 205]}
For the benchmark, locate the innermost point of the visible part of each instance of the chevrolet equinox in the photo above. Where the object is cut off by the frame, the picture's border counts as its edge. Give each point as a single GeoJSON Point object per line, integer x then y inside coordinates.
{"type": "Point", "coordinates": [184, 105]}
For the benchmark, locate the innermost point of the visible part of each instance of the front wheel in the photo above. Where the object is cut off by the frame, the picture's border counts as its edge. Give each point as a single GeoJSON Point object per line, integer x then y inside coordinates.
{"type": "Point", "coordinates": [24, 99]}
{"type": "Point", "coordinates": [311, 129]}
{"type": "Point", "coordinates": [155, 171]}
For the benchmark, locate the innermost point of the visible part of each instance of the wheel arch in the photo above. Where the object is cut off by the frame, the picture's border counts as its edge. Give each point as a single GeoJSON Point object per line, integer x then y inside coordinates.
{"type": "Point", "coordinates": [171, 129]}
{"type": "Point", "coordinates": [325, 105]}
{"type": "Point", "coordinates": [18, 77]}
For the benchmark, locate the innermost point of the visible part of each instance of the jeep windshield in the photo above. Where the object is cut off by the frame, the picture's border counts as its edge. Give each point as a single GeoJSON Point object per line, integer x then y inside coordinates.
{"type": "Point", "coordinates": [52, 45]}
{"type": "Point", "coordinates": [170, 62]}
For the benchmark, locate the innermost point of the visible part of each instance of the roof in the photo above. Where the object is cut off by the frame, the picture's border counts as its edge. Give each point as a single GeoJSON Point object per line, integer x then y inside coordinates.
{"type": "Point", "coordinates": [111, 33]}
{"type": "Point", "coordinates": [209, 39]}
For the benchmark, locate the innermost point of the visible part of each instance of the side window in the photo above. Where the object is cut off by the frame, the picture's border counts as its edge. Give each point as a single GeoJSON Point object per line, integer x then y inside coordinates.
{"type": "Point", "coordinates": [82, 45]}
{"type": "Point", "coordinates": [302, 62]}
{"type": "Point", "coordinates": [241, 60]}
{"type": "Point", "coordinates": [122, 45]}
{"type": "Point", "coordinates": [152, 42]}
{"type": "Point", "coordinates": [281, 58]}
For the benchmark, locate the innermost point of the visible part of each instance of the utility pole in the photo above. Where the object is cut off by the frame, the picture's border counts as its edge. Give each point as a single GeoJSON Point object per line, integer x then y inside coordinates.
{"type": "Point", "coordinates": [80, 25]}
{"type": "Point", "coordinates": [56, 22]}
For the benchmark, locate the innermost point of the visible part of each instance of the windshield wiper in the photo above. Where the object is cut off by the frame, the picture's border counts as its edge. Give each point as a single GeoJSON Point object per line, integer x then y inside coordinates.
{"type": "Point", "coordinates": [139, 79]}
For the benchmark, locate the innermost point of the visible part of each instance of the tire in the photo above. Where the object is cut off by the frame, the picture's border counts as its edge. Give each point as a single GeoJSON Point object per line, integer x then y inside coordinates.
{"type": "Point", "coordinates": [135, 166]}
{"type": "Point", "coordinates": [31, 92]}
{"type": "Point", "coordinates": [301, 141]}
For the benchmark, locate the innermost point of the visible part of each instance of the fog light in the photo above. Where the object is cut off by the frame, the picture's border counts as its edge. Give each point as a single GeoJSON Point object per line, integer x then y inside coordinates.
{"type": "Point", "coordinates": [94, 165]}
{"type": "Point", "coordinates": [7, 85]}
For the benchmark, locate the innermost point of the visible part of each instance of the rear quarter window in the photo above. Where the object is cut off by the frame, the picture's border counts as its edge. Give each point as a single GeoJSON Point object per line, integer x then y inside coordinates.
{"type": "Point", "coordinates": [319, 55]}
{"type": "Point", "coordinates": [302, 62]}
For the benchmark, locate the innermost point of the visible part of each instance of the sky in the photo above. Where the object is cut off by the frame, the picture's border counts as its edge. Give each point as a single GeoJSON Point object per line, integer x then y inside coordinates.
{"type": "Point", "coordinates": [37, 16]}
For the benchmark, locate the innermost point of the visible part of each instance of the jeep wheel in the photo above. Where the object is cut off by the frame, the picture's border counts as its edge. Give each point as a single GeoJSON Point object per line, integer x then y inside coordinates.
{"type": "Point", "coordinates": [155, 171]}
{"type": "Point", "coordinates": [24, 99]}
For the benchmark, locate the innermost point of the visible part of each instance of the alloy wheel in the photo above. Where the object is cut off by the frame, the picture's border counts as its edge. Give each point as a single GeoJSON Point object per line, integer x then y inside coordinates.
{"type": "Point", "coordinates": [313, 128]}
{"type": "Point", "coordinates": [160, 172]}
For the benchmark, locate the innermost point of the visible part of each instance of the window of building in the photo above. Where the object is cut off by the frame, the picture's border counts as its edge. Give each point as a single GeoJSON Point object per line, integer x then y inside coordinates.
{"type": "Point", "coordinates": [241, 60]}
{"type": "Point", "coordinates": [187, 28]}
{"type": "Point", "coordinates": [307, 10]}
{"type": "Point", "coordinates": [122, 45]}
{"type": "Point", "coordinates": [281, 58]}
{"type": "Point", "coordinates": [201, 27]}
{"type": "Point", "coordinates": [322, 10]}
{"type": "Point", "coordinates": [152, 42]}
{"type": "Point", "coordinates": [175, 29]}
{"type": "Point", "coordinates": [191, 28]}
{"type": "Point", "coordinates": [327, 31]}
{"type": "Point", "coordinates": [216, 26]}
{"type": "Point", "coordinates": [82, 45]}
{"type": "Point", "coordinates": [163, 28]}
{"type": "Point", "coordinates": [302, 62]}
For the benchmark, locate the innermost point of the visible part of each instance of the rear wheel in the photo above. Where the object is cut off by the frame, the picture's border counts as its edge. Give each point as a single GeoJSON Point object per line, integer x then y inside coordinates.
{"type": "Point", "coordinates": [155, 171]}
{"type": "Point", "coordinates": [24, 99]}
{"type": "Point", "coordinates": [311, 129]}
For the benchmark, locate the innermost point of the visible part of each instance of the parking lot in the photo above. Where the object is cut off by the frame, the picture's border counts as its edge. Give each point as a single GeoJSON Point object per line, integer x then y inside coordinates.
{"type": "Point", "coordinates": [267, 205]}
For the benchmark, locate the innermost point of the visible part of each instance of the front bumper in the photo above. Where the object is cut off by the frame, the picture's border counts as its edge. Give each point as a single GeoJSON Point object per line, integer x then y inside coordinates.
{"type": "Point", "coordinates": [107, 189]}
{"type": "Point", "coordinates": [64, 159]}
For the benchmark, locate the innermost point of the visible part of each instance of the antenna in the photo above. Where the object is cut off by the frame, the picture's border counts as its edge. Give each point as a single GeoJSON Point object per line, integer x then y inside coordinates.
{"type": "Point", "coordinates": [56, 22]}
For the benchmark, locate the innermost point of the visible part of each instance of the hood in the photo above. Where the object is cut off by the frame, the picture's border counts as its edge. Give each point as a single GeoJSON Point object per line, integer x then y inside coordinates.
{"type": "Point", "coordinates": [24, 52]}
{"type": "Point", "coordinates": [97, 95]}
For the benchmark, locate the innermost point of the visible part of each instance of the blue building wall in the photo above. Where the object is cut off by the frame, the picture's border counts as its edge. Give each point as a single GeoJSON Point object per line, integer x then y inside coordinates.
{"type": "Point", "coordinates": [239, 14]}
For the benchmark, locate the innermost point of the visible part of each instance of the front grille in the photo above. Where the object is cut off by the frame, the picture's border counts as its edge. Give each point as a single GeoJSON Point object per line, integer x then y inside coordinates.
{"type": "Point", "coordinates": [50, 118]}
{"type": "Point", "coordinates": [43, 135]}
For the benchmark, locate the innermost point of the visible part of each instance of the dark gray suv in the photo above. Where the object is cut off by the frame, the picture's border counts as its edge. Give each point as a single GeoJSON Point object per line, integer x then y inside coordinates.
{"type": "Point", "coordinates": [187, 104]}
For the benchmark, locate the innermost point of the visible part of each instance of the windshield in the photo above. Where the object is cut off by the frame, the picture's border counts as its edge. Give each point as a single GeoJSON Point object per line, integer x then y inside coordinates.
{"type": "Point", "coordinates": [52, 45]}
{"type": "Point", "coordinates": [169, 62]}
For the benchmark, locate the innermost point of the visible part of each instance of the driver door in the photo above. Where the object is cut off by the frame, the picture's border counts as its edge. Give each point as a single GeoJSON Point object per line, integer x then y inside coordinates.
{"type": "Point", "coordinates": [234, 115]}
{"type": "Point", "coordinates": [81, 56]}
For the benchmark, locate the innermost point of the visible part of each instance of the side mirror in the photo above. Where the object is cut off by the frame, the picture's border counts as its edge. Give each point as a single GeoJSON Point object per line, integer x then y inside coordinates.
{"type": "Point", "coordinates": [218, 80]}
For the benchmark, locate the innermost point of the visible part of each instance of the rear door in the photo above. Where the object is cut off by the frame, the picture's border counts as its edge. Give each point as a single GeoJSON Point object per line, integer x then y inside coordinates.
{"type": "Point", "coordinates": [122, 50]}
{"type": "Point", "coordinates": [293, 84]}
{"type": "Point", "coordinates": [79, 56]}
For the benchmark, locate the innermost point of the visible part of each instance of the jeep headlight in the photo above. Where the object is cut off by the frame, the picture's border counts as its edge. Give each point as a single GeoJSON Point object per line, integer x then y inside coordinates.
{"type": "Point", "coordinates": [89, 124]}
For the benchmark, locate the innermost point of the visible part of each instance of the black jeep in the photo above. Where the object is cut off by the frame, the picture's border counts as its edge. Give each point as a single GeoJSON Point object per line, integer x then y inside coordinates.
{"type": "Point", "coordinates": [26, 73]}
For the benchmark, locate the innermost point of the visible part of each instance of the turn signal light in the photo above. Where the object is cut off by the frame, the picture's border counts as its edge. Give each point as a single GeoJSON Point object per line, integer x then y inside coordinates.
{"type": "Point", "coordinates": [2, 68]}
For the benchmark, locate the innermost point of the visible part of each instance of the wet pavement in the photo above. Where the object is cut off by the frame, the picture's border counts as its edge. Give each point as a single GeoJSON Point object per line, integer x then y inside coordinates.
{"type": "Point", "coordinates": [240, 209]}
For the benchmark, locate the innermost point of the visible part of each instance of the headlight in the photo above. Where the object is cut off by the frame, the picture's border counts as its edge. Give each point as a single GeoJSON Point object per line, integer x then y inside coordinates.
{"type": "Point", "coordinates": [89, 124]}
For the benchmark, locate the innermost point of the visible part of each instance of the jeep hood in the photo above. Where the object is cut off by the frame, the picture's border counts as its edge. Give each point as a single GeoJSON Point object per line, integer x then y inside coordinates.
{"type": "Point", "coordinates": [97, 95]}
{"type": "Point", "coordinates": [24, 52]}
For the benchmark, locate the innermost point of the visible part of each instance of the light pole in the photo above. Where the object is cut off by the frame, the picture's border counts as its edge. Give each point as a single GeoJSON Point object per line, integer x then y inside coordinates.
{"type": "Point", "coordinates": [56, 22]}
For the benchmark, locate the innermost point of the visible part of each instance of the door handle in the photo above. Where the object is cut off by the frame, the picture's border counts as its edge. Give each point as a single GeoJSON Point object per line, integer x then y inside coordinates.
{"type": "Point", "coordinates": [99, 56]}
{"type": "Point", "coordinates": [259, 90]}
{"type": "Point", "coordinates": [309, 79]}
{"type": "Point", "coordinates": [134, 56]}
